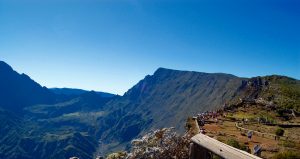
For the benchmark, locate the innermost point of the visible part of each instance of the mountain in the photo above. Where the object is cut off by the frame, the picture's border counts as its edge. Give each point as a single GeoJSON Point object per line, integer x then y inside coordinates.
{"type": "Point", "coordinates": [19, 90]}
{"type": "Point", "coordinates": [62, 123]}
{"type": "Point", "coordinates": [60, 130]}
{"type": "Point", "coordinates": [37, 123]}
{"type": "Point", "coordinates": [67, 128]}
{"type": "Point", "coordinates": [74, 91]}
{"type": "Point", "coordinates": [168, 97]}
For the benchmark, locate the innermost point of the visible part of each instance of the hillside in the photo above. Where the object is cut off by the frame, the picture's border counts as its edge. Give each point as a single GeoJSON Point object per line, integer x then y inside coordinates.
{"type": "Point", "coordinates": [57, 130]}
{"type": "Point", "coordinates": [270, 98]}
{"type": "Point", "coordinates": [19, 90]}
{"type": "Point", "coordinates": [168, 97]}
{"type": "Point", "coordinates": [36, 123]}
{"type": "Point", "coordinates": [79, 123]}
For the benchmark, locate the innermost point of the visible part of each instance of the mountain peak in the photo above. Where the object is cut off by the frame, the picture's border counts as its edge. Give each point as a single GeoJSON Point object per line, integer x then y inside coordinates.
{"type": "Point", "coordinates": [19, 90]}
{"type": "Point", "coordinates": [5, 66]}
{"type": "Point", "coordinates": [162, 70]}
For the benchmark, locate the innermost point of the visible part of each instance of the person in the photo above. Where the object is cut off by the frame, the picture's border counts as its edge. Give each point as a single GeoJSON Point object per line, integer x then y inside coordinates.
{"type": "Point", "coordinates": [249, 135]}
{"type": "Point", "coordinates": [202, 131]}
{"type": "Point", "coordinates": [246, 121]}
{"type": "Point", "coordinates": [257, 150]}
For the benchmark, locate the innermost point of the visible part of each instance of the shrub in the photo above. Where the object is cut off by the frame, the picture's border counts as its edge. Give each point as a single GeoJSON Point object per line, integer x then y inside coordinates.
{"type": "Point", "coordinates": [163, 143]}
{"type": "Point", "coordinates": [280, 112]}
{"type": "Point", "coordinates": [279, 132]}
{"type": "Point", "coordinates": [231, 118]}
{"type": "Point", "coordinates": [236, 144]}
{"type": "Point", "coordinates": [288, 143]}
{"type": "Point", "coordinates": [117, 155]}
{"type": "Point", "coordinates": [287, 155]}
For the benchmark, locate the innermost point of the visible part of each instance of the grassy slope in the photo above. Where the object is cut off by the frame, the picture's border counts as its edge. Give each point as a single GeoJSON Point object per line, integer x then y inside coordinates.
{"type": "Point", "coordinates": [284, 93]}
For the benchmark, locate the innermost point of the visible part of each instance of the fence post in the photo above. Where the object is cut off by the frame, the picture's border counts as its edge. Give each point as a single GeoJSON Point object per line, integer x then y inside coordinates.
{"type": "Point", "coordinates": [198, 152]}
{"type": "Point", "coordinates": [192, 151]}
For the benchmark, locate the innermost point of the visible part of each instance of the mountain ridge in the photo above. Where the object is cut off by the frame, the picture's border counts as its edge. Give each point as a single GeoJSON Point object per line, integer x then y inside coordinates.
{"type": "Point", "coordinates": [168, 97]}
{"type": "Point", "coordinates": [101, 125]}
{"type": "Point", "coordinates": [76, 91]}
{"type": "Point", "coordinates": [15, 87]}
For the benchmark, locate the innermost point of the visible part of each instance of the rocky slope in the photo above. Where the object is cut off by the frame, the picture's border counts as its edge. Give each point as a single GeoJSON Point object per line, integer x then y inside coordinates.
{"type": "Point", "coordinates": [18, 90]}
{"type": "Point", "coordinates": [168, 97]}
{"type": "Point", "coordinates": [36, 123]}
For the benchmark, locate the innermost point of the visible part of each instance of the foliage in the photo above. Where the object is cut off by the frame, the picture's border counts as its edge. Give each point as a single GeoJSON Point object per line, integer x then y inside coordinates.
{"type": "Point", "coordinates": [288, 143]}
{"type": "Point", "coordinates": [163, 143]}
{"type": "Point", "coordinates": [191, 126]}
{"type": "Point", "coordinates": [117, 155]}
{"type": "Point", "coordinates": [279, 132]}
{"type": "Point", "coordinates": [286, 90]}
{"type": "Point", "coordinates": [287, 155]}
{"type": "Point", "coordinates": [236, 144]}
{"type": "Point", "coordinates": [267, 117]}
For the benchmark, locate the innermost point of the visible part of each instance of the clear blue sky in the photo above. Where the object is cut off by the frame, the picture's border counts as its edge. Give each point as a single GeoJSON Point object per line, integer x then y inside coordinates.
{"type": "Point", "coordinates": [110, 45]}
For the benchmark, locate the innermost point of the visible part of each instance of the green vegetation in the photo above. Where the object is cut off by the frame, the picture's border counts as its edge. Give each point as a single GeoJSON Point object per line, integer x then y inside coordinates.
{"type": "Point", "coordinates": [267, 116]}
{"type": "Point", "coordinates": [243, 115]}
{"type": "Point", "coordinates": [191, 126]}
{"type": "Point", "coordinates": [236, 144]}
{"type": "Point", "coordinates": [288, 143]}
{"type": "Point", "coordinates": [286, 91]}
{"type": "Point", "coordinates": [279, 132]}
{"type": "Point", "coordinates": [117, 155]}
{"type": "Point", "coordinates": [287, 155]}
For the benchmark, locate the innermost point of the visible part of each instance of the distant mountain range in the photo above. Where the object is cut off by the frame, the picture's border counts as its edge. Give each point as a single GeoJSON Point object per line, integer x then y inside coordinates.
{"type": "Point", "coordinates": [74, 91]}
{"type": "Point", "coordinates": [37, 122]}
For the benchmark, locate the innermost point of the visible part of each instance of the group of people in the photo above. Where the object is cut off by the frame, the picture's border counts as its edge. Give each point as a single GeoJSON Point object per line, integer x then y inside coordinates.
{"type": "Point", "coordinates": [208, 115]}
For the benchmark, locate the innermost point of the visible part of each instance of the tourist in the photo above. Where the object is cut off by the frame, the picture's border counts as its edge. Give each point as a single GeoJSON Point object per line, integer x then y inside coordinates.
{"type": "Point", "coordinates": [250, 133]}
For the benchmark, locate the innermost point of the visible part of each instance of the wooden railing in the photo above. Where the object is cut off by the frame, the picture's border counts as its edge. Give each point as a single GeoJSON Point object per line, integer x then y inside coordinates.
{"type": "Point", "coordinates": [203, 147]}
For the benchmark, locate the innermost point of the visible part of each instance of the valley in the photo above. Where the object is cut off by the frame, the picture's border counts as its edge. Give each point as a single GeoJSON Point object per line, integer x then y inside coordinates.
{"type": "Point", "coordinates": [38, 122]}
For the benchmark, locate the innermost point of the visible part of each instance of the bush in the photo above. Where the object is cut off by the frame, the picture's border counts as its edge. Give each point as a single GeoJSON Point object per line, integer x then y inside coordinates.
{"type": "Point", "coordinates": [280, 112]}
{"type": "Point", "coordinates": [163, 143]}
{"type": "Point", "coordinates": [288, 143]}
{"type": "Point", "coordinates": [231, 118]}
{"type": "Point", "coordinates": [287, 155]}
{"type": "Point", "coordinates": [117, 155]}
{"type": "Point", "coordinates": [236, 144]}
{"type": "Point", "coordinates": [279, 132]}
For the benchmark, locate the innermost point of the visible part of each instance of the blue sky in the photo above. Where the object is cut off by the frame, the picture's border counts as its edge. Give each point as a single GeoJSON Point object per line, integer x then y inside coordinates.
{"type": "Point", "coordinates": [110, 45]}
